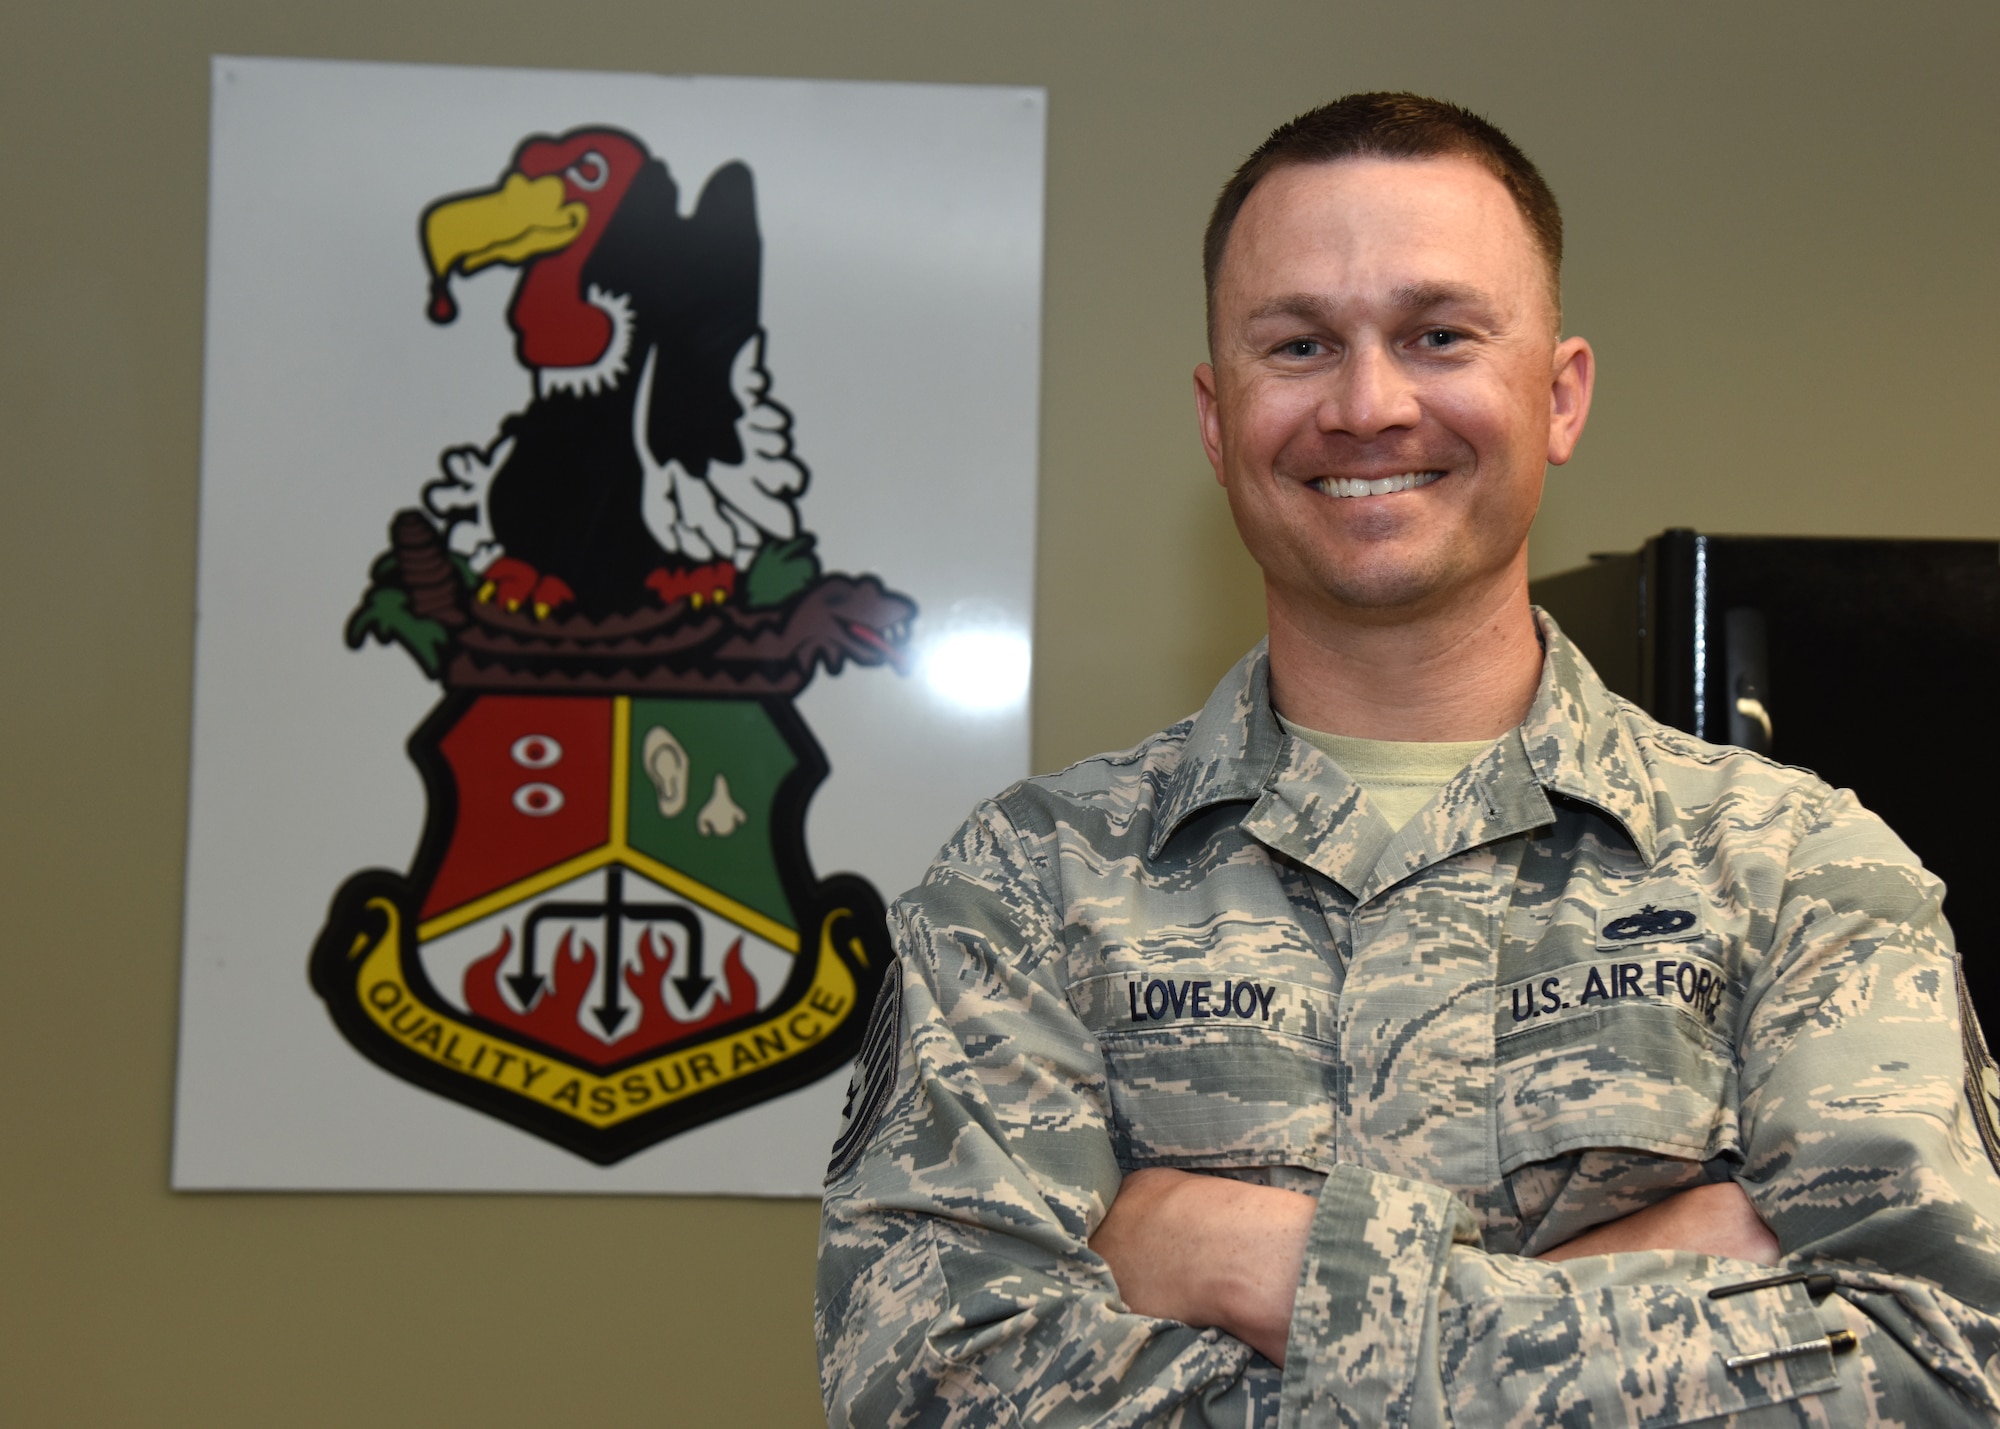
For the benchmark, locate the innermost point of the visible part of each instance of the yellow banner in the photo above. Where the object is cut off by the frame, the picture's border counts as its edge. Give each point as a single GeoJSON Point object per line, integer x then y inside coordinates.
{"type": "Point", "coordinates": [600, 1101]}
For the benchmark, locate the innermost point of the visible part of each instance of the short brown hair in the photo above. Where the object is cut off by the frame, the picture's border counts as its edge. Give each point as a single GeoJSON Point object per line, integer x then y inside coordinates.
{"type": "Point", "coordinates": [1389, 126]}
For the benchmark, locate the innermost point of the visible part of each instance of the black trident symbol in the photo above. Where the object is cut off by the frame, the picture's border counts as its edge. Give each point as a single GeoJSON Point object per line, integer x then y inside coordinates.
{"type": "Point", "coordinates": [612, 915]}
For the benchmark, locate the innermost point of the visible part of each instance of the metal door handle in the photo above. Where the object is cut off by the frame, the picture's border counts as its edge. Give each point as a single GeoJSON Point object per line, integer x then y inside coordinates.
{"type": "Point", "coordinates": [1752, 708]}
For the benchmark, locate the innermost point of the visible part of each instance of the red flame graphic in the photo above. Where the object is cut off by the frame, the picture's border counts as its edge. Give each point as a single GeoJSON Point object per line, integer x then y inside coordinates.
{"type": "Point", "coordinates": [657, 1023]}
{"type": "Point", "coordinates": [558, 1016]}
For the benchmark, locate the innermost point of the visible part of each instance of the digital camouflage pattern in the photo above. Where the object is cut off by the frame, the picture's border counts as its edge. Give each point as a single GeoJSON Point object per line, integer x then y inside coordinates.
{"type": "Point", "coordinates": [1607, 963]}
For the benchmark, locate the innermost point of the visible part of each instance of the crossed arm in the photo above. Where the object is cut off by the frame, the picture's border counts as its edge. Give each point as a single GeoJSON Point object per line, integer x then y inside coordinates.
{"type": "Point", "coordinates": [1216, 1253]}
{"type": "Point", "coordinates": [971, 1274]}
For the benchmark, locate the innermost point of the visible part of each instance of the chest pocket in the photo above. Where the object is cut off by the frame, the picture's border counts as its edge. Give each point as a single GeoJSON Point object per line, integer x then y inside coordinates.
{"type": "Point", "coordinates": [1209, 1069]}
{"type": "Point", "coordinates": [1618, 1046]}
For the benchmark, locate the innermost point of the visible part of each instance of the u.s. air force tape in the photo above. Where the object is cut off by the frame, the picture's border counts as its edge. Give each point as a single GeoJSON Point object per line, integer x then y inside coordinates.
{"type": "Point", "coordinates": [874, 1076]}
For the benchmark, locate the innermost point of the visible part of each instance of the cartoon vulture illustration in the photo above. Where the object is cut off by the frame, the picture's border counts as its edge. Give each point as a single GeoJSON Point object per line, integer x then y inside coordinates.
{"type": "Point", "coordinates": [651, 465]}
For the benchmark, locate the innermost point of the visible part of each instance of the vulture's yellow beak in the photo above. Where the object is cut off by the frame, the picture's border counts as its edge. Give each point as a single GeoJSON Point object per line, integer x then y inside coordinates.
{"type": "Point", "coordinates": [522, 218]}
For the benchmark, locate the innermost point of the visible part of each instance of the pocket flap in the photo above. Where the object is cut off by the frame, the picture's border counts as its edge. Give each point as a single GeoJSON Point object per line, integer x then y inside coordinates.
{"type": "Point", "coordinates": [1214, 1071]}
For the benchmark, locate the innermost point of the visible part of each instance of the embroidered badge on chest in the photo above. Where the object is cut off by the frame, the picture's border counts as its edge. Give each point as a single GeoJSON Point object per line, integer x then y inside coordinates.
{"type": "Point", "coordinates": [1667, 915]}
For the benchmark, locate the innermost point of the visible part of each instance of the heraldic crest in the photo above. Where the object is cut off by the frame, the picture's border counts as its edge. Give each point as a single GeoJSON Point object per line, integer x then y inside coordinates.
{"type": "Point", "coordinates": [611, 932]}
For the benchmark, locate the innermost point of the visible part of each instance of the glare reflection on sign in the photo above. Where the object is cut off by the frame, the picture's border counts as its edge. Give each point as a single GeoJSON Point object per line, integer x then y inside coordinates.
{"type": "Point", "coordinates": [979, 670]}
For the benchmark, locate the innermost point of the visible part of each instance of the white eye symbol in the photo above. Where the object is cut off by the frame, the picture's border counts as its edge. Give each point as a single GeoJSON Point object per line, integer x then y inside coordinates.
{"type": "Point", "coordinates": [536, 751]}
{"type": "Point", "coordinates": [538, 800]}
{"type": "Point", "coordinates": [589, 172]}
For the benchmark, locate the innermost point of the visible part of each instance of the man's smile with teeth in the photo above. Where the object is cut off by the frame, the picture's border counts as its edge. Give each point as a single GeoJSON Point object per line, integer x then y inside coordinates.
{"type": "Point", "coordinates": [1359, 486]}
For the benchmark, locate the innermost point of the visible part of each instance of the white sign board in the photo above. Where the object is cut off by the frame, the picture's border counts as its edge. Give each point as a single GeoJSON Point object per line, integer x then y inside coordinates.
{"type": "Point", "coordinates": [616, 563]}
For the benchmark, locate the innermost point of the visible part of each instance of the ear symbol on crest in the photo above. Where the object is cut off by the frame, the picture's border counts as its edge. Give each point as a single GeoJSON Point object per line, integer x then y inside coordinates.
{"type": "Point", "coordinates": [666, 764]}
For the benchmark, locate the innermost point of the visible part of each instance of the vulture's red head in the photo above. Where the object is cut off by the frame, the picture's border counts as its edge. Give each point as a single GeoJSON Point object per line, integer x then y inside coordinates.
{"type": "Point", "coordinates": [546, 216]}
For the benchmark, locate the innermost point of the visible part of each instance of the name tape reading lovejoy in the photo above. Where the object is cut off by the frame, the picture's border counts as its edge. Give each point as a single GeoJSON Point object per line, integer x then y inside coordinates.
{"type": "Point", "coordinates": [1163, 999]}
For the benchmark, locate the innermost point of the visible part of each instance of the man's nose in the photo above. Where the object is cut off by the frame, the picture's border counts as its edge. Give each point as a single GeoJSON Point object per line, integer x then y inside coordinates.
{"type": "Point", "coordinates": [1370, 394]}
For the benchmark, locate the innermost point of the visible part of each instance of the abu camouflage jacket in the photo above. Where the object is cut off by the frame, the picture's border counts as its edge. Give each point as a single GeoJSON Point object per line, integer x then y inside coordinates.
{"type": "Point", "coordinates": [1608, 962]}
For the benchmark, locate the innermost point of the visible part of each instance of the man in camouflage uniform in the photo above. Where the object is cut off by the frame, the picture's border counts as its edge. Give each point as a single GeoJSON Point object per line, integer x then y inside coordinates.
{"type": "Point", "coordinates": [1625, 1083]}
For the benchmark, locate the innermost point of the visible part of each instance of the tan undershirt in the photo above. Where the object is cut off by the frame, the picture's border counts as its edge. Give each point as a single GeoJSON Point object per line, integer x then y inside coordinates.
{"type": "Point", "coordinates": [1400, 777]}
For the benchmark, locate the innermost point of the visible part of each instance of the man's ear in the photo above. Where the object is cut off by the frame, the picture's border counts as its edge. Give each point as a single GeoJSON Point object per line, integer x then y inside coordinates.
{"type": "Point", "coordinates": [1575, 373]}
{"type": "Point", "coordinates": [1209, 411]}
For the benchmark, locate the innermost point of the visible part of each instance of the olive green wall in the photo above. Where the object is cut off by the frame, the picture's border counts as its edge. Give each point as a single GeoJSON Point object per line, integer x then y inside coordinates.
{"type": "Point", "coordinates": [1782, 224]}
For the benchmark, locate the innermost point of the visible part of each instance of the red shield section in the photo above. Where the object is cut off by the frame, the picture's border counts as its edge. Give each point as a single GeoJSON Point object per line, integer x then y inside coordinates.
{"type": "Point", "coordinates": [531, 776]}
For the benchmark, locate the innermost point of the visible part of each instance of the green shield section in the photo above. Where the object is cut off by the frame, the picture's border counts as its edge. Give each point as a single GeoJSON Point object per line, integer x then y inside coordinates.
{"type": "Point", "coordinates": [731, 852]}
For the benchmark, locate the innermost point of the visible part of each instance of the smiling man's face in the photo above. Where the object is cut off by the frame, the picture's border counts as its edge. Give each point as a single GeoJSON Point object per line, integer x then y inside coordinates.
{"type": "Point", "coordinates": [1387, 388]}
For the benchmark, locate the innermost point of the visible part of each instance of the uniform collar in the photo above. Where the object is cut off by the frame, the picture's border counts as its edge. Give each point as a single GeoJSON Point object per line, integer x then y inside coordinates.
{"type": "Point", "coordinates": [1231, 751]}
{"type": "Point", "coordinates": [1579, 741]}
{"type": "Point", "coordinates": [1575, 741]}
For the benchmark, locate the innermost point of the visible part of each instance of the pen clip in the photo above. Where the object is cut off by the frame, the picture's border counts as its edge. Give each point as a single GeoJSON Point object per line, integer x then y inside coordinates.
{"type": "Point", "coordinates": [1818, 1284]}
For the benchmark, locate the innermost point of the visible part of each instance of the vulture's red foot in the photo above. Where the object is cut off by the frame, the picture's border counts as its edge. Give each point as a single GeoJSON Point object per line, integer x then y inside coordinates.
{"type": "Point", "coordinates": [516, 583]}
{"type": "Point", "coordinates": [712, 584]}
{"type": "Point", "coordinates": [551, 594]}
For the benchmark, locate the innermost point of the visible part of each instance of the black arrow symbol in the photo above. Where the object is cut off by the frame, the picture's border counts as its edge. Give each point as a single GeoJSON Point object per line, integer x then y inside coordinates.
{"type": "Point", "coordinates": [610, 1012]}
{"type": "Point", "coordinates": [692, 983]}
{"type": "Point", "coordinates": [527, 983]}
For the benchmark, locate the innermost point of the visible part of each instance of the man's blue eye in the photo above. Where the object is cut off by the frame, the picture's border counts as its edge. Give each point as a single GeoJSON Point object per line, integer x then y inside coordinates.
{"type": "Point", "coordinates": [1438, 337]}
{"type": "Point", "coordinates": [1301, 347]}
